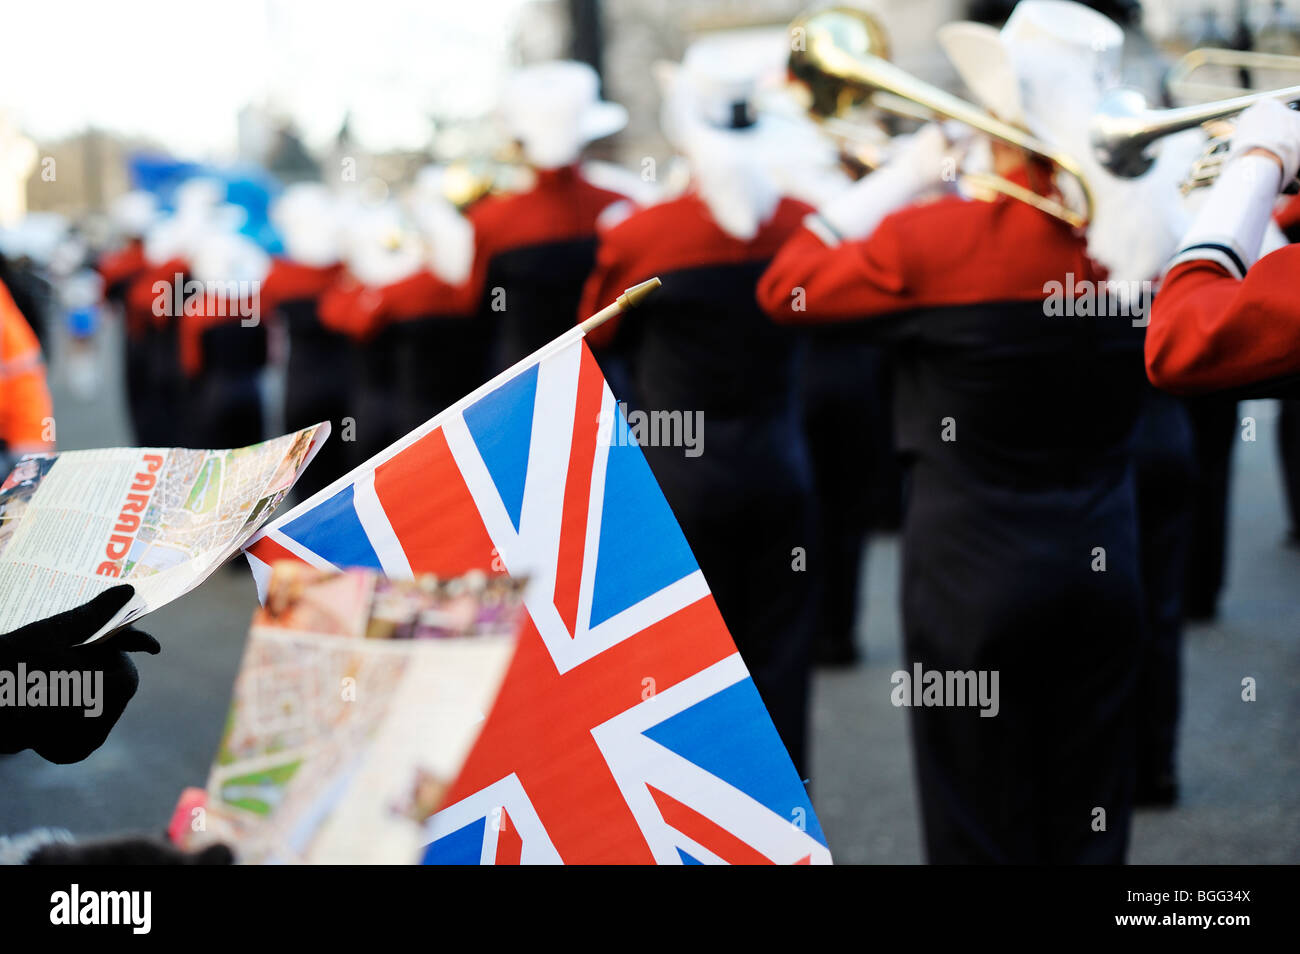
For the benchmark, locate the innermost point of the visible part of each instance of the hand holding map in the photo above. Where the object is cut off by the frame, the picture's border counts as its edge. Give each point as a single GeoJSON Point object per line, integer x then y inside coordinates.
{"type": "Point", "coordinates": [76, 523]}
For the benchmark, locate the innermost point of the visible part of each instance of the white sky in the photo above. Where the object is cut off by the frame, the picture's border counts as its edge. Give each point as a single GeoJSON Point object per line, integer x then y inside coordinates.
{"type": "Point", "coordinates": [178, 71]}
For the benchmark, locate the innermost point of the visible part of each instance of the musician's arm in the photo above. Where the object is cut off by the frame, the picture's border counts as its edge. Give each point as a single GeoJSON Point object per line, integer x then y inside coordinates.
{"type": "Point", "coordinates": [1222, 320]}
{"type": "Point", "coordinates": [1213, 331]}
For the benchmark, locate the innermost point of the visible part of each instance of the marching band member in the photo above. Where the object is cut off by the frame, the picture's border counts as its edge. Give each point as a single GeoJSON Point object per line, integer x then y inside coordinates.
{"type": "Point", "coordinates": [535, 248]}
{"type": "Point", "coordinates": [1020, 553]}
{"type": "Point", "coordinates": [319, 368]}
{"type": "Point", "coordinates": [423, 312]}
{"type": "Point", "coordinates": [153, 301]}
{"type": "Point", "coordinates": [380, 252]}
{"type": "Point", "coordinates": [444, 347]}
{"type": "Point", "coordinates": [223, 341]}
{"type": "Point", "coordinates": [1224, 321]}
{"type": "Point", "coordinates": [701, 346]}
{"type": "Point", "coordinates": [131, 216]}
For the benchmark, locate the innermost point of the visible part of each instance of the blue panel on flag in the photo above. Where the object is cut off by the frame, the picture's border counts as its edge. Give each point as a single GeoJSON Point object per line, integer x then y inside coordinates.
{"type": "Point", "coordinates": [642, 549]}
{"type": "Point", "coordinates": [502, 427]}
{"type": "Point", "coordinates": [730, 735]}
{"type": "Point", "coordinates": [689, 859]}
{"type": "Point", "coordinates": [333, 530]}
{"type": "Point", "coordinates": [464, 846]}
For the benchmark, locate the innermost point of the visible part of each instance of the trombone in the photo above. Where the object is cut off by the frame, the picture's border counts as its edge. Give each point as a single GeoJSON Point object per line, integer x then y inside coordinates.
{"type": "Point", "coordinates": [841, 54]}
{"type": "Point", "coordinates": [1184, 88]}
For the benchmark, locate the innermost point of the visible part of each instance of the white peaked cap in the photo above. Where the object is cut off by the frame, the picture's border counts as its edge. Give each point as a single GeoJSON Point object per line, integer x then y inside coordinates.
{"type": "Point", "coordinates": [1045, 45]}
{"type": "Point", "coordinates": [228, 257]}
{"type": "Point", "coordinates": [309, 221]}
{"type": "Point", "coordinates": [554, 109]}
{"type": "Point", "coordinates": [380, 248]}
{"type": "Point", "coordinates": [197, 196]}
{"type": "Point", "coordinates": [133, 213]}
{"type": "Point", "coordinates": [736, 168]}
{"type": "Point", "coordinates": [1047, 70]}
{"type": "Point", "coordinates": [37, 236]}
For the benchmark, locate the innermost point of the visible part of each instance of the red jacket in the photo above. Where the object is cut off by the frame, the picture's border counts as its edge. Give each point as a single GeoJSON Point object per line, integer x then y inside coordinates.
{"type": "Point", "coordinates": [561, 206]}
{"type": "Point", "coordinates": [1210, 331]}
{"type": "Point", "coordinates": [948, 252]}
{"type": "Point", "coordinates": [361, 311]}
{"type": "Point", "coordinates": [1043, 396]}
{"type": "Point", "coordinates": [292, 281]}
{"type": "Point", "coordinates": [121, 267]}
{"type": "Point", "coordinates": [671, 237]}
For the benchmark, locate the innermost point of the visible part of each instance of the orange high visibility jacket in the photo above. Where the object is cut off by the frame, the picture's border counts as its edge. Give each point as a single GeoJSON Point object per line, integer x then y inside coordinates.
{"type": "Point", "coordinates": [26, 411]}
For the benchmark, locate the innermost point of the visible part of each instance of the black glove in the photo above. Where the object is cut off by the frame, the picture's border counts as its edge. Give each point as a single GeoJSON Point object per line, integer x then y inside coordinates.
{"type": "Point", "coordinates": [128, 850]}
{"type": "Point", "coordinates": [67, 733]}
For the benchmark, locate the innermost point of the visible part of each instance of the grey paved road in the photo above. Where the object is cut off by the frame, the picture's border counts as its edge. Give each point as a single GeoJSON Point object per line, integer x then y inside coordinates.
{"type": "Point", "coordinates": [1240, 763]}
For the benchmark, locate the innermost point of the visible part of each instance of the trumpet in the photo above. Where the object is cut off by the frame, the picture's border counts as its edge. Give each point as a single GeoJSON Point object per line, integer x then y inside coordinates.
{"type": "Point", "coordinates": [841, 54]}
{"type": "Point", "coordinates": [1124, 127]}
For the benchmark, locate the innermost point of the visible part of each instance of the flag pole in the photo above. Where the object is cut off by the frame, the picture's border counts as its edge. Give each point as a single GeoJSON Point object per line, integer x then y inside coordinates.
{"type": "Point", "coordinates": [630, 298]}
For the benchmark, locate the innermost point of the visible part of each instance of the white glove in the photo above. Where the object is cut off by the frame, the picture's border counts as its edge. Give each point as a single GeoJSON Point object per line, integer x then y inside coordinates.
{"type": "Point", "coordinates": [1270, 126]}
{"type": "Point", "coordinates": [924, 161]}
{"type": "Point", "coordinates": [1229, 227]}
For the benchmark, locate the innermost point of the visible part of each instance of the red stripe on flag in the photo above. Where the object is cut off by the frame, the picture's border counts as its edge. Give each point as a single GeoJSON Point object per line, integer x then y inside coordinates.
{"type": "Point", "coordinates": [539, 712]}
{"type": "Point", "coordinates": [509, 844]}
{"type": "Point", "coordinates": [577, 490]}
{"type": "Point", "coordinates": [706, 832]}
{"type": "Point", "coordinates": [270, 552]}
{"type": "Point", "coordinates": [432, 511]}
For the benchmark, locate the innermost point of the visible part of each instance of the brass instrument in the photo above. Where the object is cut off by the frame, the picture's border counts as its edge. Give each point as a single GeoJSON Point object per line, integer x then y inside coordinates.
{"type": "Point", "coordinates": [840, 54]}
{"type": "Point", "coordinates": [1185, 89]}
{"type": "Point", "coordinates": [1124, 127]}
{"type": "Point", "coordinates": [470, 178]}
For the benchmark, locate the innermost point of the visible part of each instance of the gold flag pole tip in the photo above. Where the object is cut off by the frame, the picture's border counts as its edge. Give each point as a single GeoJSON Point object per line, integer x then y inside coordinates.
{"type": "Point", "coordinates": [630, 298]}
{"type": "Point", "coordinates": [633, 296]}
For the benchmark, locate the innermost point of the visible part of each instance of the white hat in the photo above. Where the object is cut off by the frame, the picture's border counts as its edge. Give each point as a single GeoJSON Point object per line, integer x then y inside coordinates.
{"type": "Point", "coordinates": [1046, 70]}
{"type": "Point", "coordinates": [37, 236]}
{"type": "Point", "coordinates": [228, 257]}
{"type": "Point", "coordinates": [1047, 48]}
{"type": "Point", "coordinates": [200, 211]}
{"type": "Point", "coordinates": [381, 248]}
{"type": "Point", "coordinates": [133, 213]}
{"type": "Point", "coordinates": [741, 159]}
{"type": "Point", "coordinates": [309, 222]}
{"type": "Point", "coordinates": [554, 109]}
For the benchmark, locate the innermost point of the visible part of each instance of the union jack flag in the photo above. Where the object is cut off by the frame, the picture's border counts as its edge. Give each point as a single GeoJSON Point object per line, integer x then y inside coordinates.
{"type": "Point", "coordinates": [627, 728]}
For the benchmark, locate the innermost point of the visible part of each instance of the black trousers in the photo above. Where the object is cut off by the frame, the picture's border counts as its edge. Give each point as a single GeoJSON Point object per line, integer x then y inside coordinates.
{"type": "Point", "coordinates": [226, 410]}
{"type": "Point", "coordinates": [845, 399]}
{"type": "Point", "coordinates": [752, 532]}
{"type": "Point", "coordinates": [1214, 426]}
{"type": "Point", "coordinates": [1166, 473]}
{"type": "Point", "coordinates": [1004, 582]}
{"type": "Point", "coordinates": [1288, 445]}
